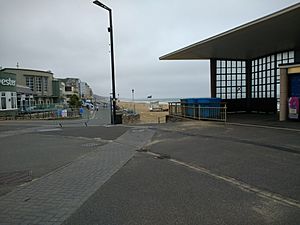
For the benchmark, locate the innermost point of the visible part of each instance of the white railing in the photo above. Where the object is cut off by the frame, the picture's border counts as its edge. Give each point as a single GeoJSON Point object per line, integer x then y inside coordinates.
{"type": "Point", "coordinates": [213, 111]}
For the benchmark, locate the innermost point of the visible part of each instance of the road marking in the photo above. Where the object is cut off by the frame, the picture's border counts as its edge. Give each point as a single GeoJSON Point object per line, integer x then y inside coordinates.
{"type": "Point", "coordinates": [50, 129]}
{"type": "Point", "coordinates": [263, 126]}
{"type": "Point", "coordinates": [241, 185]}
{"type": "Point", "coordinates": [17, 132]}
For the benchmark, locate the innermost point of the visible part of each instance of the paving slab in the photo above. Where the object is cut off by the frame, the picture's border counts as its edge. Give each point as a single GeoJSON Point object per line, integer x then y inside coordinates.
{"type": "Point", "coordinates": [54, 197]}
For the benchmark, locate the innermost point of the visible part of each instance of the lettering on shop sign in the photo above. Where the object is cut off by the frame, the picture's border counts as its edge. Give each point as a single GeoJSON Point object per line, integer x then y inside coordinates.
{"type": "Point", "coordinates": [7, 82]}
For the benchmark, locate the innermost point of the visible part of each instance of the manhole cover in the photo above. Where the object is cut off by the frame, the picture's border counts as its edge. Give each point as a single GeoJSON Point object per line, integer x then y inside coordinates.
{"type": "Point", "coordinates": [16, 177]}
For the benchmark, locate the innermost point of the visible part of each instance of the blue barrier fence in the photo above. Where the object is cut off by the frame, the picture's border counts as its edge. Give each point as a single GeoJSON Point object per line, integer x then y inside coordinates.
{"type": "Point", "coordinates": [199, 108]}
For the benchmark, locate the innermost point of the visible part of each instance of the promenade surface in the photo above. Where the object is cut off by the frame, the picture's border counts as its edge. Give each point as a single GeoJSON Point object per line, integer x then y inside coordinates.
{"type": "Point", "coordinates": [177, 173]}
{"type": "Point", "coordinates": [52, 198]}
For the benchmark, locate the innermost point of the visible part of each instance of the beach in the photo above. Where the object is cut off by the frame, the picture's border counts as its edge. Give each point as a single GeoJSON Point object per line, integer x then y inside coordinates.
{"type": "Point", "coordinates": [142, 108]}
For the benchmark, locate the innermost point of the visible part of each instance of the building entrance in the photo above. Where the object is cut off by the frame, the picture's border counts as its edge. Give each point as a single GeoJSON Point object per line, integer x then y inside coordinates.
{"type": "Point", "coordinates": [294, 85]}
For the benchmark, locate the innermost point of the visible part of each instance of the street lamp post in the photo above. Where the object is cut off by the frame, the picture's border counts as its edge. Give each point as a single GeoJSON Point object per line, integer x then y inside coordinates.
{"type": "Point", "coordinates": [132, 91]}
{"type": "Point", "coordinates": [110, 30]}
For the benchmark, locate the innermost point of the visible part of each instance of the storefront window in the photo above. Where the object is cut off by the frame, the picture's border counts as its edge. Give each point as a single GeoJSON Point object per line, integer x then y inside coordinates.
{"type": "Point", "coordinates": [266, 75]}
{"type": "Point", "coordinates": [45, 84]}
{"type": "Point", "coordinates": [29, 82]}
{"type": "Point", "coordinates": [231, 79]}
{"type": "Point", "coordinates": [3, 101]}
{"type": "Point", "coordinates": [13, 100]}
{"type": "Point", "coordinates": [38, 84]}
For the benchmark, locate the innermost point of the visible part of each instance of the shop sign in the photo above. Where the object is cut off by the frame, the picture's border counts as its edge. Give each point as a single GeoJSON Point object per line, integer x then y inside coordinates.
{"type": "Point", "coordinates": [8, 82]}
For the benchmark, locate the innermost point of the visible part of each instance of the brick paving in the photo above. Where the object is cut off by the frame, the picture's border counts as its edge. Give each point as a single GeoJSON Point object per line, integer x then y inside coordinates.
{"type": "Point", "coordinates": [53, 198]}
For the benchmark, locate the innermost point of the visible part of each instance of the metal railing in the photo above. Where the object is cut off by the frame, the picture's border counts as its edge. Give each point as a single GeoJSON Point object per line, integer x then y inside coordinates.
{"type": "Point", "coordinates": [50, 114]}
{"type": "Point", "coordinates": [210, 111]}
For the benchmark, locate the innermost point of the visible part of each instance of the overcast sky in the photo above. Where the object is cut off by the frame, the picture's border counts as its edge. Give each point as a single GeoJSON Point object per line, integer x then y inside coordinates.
{"type": "Point", "coordinates": [70, 38]}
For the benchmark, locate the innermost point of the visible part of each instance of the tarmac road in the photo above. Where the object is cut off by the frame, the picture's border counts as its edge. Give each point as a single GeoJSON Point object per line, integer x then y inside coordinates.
{"type": "Point", "coordinates": [37, 147]}
{"type": "Point", "coordinates": [154, 191]}
{"type": "Point", "coordinates": [265, 158]}
{"type": "Point", "coordinates": [206, 175]}
{"type": "Point", "coordinates": [189, 173]}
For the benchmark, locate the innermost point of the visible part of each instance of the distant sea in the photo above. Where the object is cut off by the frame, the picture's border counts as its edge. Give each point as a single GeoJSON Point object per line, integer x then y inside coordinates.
{"type": "Point", "coordinates": [147, 100]}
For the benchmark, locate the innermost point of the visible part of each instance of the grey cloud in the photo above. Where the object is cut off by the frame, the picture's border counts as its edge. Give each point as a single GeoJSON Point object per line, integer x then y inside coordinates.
{"type": "Point", "coordinates": [71, 39]}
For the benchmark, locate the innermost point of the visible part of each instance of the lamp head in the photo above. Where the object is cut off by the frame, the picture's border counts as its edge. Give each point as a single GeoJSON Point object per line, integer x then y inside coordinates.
{"type": "Point", "coordinates": [96, 2]}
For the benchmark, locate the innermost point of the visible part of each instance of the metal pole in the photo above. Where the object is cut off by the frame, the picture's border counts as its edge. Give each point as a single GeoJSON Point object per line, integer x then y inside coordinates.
{"type": "Point", "coordinates": [110, 30]}
{"type": "Point", "coordinates": [112, 121]}
{"type": "Point", "coordinates": [112, 66]}
{"type": "Point", "coordinates": [132, 91]}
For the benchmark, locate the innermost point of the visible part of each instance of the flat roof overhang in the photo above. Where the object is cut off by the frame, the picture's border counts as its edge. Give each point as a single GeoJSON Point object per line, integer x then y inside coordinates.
{"type": "Point", "coordinates": [276, 32]}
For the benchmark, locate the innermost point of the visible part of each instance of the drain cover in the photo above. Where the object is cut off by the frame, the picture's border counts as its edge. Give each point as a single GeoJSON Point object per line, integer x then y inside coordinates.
{"type": "Point", "coordinates": [16, 177]}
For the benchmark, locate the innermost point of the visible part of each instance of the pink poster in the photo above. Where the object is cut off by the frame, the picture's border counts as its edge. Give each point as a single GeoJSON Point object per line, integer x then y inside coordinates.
{"type": "Point", "coordinates": [294, 108]}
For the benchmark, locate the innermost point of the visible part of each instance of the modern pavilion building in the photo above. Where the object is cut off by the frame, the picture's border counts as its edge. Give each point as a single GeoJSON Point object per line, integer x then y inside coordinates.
{"type": "Point", "coordinates": [247, 63]}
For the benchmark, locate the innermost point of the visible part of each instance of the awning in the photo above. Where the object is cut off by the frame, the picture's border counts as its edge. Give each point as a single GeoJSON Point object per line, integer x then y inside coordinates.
{"type": "Point", "coordinates": [276, 32]}
{"type": "Point", "coordinates": [23, 89]}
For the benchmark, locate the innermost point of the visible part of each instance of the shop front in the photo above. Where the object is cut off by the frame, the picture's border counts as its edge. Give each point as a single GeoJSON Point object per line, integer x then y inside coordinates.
{"type": "Point", "coordinates": [25, 99]}
{"type": "Point", "coordinates": [290, 92]}
{"type": "Point", "coordinates": [8, 94]}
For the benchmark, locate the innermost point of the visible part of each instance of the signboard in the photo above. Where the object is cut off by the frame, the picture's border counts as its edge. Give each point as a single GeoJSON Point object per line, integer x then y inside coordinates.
{"type": "Point", "coordinates": [8, 82]}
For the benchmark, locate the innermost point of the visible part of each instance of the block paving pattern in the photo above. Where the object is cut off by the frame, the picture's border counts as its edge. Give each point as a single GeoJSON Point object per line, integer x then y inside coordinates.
{"type": "Point", "coordinates": [51, 199]}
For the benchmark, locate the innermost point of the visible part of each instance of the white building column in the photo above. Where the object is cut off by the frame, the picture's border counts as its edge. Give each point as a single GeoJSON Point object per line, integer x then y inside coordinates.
{"type": "Point", "coordinates": [283, 94]}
